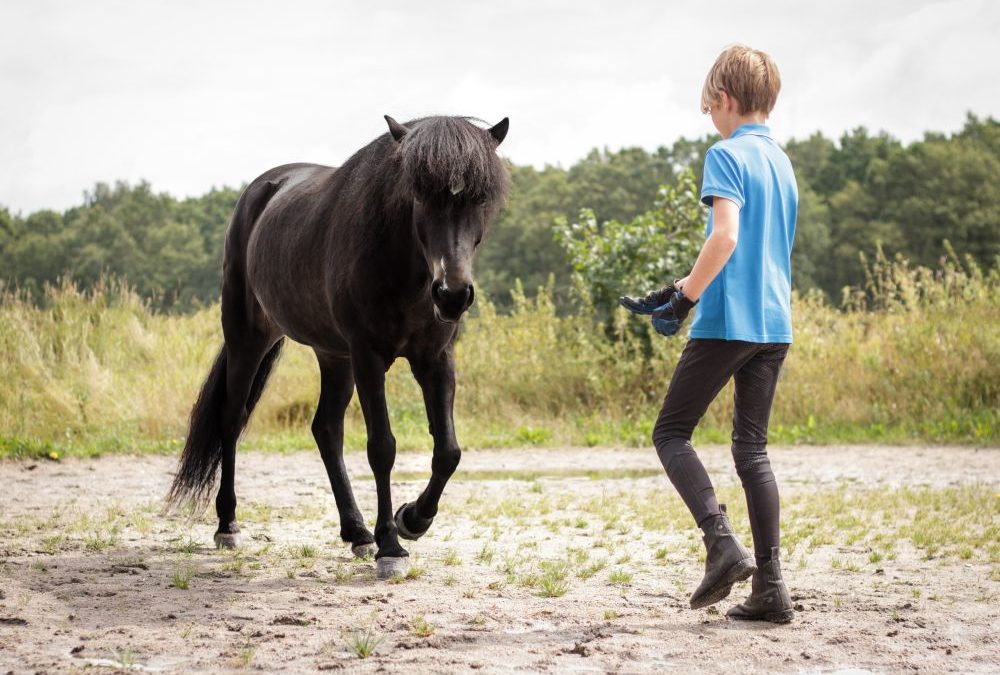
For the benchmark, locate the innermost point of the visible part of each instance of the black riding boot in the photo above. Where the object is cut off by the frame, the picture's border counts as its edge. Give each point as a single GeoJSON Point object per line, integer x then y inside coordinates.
{"type": "Point", "coordinates": [727, 562]}
{"type": "Point", "coordinates": [769, 599]}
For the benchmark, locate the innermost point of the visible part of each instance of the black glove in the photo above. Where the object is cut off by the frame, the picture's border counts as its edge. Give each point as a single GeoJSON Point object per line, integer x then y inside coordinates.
{"type": "Point", "coordinates": [667, 320]}
{"type": "Point", "coordinates": [650, 302]}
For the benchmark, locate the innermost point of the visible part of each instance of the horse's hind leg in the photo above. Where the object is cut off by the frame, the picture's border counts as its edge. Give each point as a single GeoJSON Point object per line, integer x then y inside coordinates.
{"type": "Point", "coordinates": [437, 379]}
{"type": "Point", "coordinates": [246, 358]}
{"type": "Point", "coordinates": [336, 389]}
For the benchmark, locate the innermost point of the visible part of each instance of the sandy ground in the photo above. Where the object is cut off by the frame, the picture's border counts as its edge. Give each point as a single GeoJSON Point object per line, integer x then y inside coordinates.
{"type": "Point", "coordinates": [90, 569]}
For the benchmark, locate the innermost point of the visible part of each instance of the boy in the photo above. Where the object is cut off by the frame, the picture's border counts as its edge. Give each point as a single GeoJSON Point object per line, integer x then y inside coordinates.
{"type": "Point", "coordinates": [741, 283]}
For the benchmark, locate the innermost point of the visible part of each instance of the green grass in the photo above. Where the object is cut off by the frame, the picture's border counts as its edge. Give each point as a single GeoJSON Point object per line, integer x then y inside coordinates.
{"type": "Point", "coordinates": [620, 577]}
{"type": "Point", "coordinates": [553, 582]}
{"type": "Point", "coordinates": [100, 372]}
{"type": "Point", "coordinates": [181, 578]}
{"type": "Point", "coordinates": [100, 540]}
{"type": "Point", "coordinates": [363, 643]}
{"type": "Point", "coordinates": [421, 627]}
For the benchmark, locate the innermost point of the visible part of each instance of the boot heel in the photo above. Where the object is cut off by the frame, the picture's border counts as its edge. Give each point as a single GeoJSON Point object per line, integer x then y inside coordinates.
{"type": "Point", "coordinates": [741, 571]}
{"type": "Point", "coordinates": [784, 616]}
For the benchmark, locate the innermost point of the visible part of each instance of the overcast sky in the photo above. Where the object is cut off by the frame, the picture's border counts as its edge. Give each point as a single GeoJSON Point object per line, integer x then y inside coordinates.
{"type": "Point", "coordinates": [189, 95]}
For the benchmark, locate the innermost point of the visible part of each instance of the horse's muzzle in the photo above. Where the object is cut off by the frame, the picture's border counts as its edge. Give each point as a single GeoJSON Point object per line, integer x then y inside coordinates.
{"type": "Point", "coordinates": [451, 303]}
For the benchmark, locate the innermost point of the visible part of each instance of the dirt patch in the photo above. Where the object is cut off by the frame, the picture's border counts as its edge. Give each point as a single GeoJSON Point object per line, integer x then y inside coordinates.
{"type": "Point", "coordinates": [540, 560]}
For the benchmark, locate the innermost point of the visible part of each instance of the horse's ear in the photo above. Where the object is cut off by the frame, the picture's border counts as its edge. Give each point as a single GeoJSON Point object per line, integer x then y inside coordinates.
{"type": "Point", "coordinates": [396, 129]}
{"type": "Point", "coordinates": [499, 130]}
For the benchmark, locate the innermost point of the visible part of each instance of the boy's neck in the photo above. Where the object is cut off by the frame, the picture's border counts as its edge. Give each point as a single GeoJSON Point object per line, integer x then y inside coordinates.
{"type": "Point", "coordinates": [736, 121]}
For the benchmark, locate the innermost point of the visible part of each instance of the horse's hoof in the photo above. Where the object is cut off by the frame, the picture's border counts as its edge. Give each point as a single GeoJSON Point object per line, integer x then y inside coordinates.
{"type": "Point", "coordinates": [363, 550]}
{"type": "Point", "coordinates": [228, 540]}
{"type": "Point", "coordinates": [401, 528]}
{"type": "Point", "coordinates": [387, 568]}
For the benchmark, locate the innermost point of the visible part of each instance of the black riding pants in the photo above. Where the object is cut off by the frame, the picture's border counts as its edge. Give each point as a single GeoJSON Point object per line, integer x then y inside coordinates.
{"type": "Point", "coordinates": [703, 370]}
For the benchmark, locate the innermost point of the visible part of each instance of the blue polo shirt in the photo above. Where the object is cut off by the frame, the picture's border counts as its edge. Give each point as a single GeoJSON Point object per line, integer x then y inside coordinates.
{"type": "Point", "coordinates": [750, 299]}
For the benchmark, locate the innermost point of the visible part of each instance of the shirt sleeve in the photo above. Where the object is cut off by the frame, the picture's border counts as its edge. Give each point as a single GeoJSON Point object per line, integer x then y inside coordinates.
{"type": "Point", "coordinates": [722, 177]}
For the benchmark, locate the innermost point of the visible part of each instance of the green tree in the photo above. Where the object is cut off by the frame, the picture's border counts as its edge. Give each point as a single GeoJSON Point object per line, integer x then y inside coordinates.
{"type": "Point", "coordinates": [812, 240]}
{"type": "Point", "coordinates": [612, 258]}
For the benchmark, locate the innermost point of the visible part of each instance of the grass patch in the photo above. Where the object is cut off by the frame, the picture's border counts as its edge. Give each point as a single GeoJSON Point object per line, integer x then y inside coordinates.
{"type": "Point", "coordinates": [363, 642]}
{"type": "Point", "coordinates": [552, 582]}
{"type": "Point", "coordinates": [620, 577]}
{"type": "Point", "coordinates": [87, 363]}
{"type": "Point", "coordinates": [421, 627]}
{"type": "Point", "coordinates": [181, 578]}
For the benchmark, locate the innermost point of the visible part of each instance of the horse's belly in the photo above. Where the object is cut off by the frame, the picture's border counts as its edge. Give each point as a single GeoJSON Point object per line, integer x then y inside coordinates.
{"type": "Point", "coordinates": [285, 274]}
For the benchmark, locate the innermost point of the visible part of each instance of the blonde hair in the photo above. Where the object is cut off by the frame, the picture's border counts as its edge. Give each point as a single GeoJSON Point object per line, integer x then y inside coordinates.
{"type": "Point", "coordinates": [748, 75]}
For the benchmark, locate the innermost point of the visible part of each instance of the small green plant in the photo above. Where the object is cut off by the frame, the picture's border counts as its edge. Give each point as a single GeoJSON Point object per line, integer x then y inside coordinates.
{"type": "Point", "coordinates": [451, 558]}
{"type": "Point", "coordinates": [620, 577]}
{"type": "Point", "coordinates": [610, 615]}
{"type": "Point", "coordinates": [181, 578]}
{"type": "Point", "coordinates": [245, 655]}
{"type": "Point", "coordinates": [125, 657]}
{"type": "Point", "coordinates": [342, 573]}
{"type": "Point", "coordinates": [53, 543]}
{"type": "Point", "coordinates": [552, 582]}
{"type": "Point", "coordinates": [552, 587]}
{"type": "Point", "coordinates": [592, 569]}
{"type": "Point", "coordinates": [188, 545]}
{"type": "Point", "coordinates": [234, 565]}
{"type": "Point", "coordinates": [363, 643]}
{"type": "Point", "coordinates": [421, 627]}
{"type": "Point", "coordinates": [415, 572]}
{"type": "Point", "coordinates": [532, 436]}
{"type": "Point", "coordinates": [485, 555]}
{"type": "Point", "coordinates": [100, 540]}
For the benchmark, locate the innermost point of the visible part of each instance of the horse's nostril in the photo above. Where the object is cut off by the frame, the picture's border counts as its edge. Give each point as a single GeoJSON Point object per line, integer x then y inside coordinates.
{"type": "Point", "coordinates": [436, 287]}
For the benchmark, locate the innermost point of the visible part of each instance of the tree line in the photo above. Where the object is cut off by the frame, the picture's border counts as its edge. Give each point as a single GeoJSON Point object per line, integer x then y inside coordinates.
{"type": "Point", "coordinates": [856, 193]}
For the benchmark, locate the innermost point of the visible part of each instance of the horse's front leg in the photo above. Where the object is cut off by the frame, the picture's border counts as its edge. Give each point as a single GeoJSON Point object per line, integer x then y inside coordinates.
{"type": "Point", "coordinates": [369, 377]}
{"type": "Point", "coordinates": [437, 380]}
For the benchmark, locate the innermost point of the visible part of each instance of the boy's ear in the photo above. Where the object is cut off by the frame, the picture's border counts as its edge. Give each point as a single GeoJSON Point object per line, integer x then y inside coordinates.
{"type": "Point", "coordinates": [726, 101]}
{"type": "Point", "coordinates": [729, 104]}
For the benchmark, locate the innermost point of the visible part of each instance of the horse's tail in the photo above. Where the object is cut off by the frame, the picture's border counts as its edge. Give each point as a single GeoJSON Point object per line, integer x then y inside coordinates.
{"type": "Point", "coordinates": [202, 453]}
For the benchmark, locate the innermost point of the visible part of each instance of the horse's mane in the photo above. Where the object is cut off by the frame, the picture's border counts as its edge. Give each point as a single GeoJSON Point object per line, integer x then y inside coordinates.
{"type": "Point", "coordinates": [440, 155]}
{"type": "Point", "coordinates": [376, 186]}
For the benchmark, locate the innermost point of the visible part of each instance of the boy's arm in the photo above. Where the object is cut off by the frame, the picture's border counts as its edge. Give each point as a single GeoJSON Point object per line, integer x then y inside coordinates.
{"type": "Point", "coordinates": [717, 249]}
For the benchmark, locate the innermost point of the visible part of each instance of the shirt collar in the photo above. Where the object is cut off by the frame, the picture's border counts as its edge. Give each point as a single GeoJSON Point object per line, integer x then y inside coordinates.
{"type": "Point", "coordinates": [751, 129]}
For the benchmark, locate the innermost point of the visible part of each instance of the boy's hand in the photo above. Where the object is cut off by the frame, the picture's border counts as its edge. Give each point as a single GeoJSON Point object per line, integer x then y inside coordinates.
{"type": "Point", "coordinates": [667, 320]}
{"type": "Point", "coordinates": [650, 302]}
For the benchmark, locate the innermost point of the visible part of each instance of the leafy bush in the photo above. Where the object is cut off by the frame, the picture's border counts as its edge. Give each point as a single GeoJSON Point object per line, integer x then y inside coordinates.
{"type": "Point", "coordinates": [647, 252]}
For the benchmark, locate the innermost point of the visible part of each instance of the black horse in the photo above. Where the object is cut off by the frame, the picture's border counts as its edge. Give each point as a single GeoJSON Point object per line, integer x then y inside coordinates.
{"type": "Point", "coordinates": [364, 263]}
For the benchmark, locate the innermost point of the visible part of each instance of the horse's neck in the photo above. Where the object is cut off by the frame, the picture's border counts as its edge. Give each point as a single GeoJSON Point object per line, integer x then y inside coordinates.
{"type": "Point", "coordinates": [394, 254]}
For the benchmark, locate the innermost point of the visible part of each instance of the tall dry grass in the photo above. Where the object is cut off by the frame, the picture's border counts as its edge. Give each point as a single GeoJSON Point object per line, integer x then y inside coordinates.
{"type": "Point", "coordinates": [914, 355]}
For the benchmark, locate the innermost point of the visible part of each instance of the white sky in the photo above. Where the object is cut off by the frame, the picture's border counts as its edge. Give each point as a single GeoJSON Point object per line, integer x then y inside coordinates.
{"type": "Point", "coordinates": [193, 94]}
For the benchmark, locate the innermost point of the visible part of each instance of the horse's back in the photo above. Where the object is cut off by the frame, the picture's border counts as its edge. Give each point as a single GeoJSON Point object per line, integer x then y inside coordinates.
{"type": "Point", "coordinates": [274, 248]}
